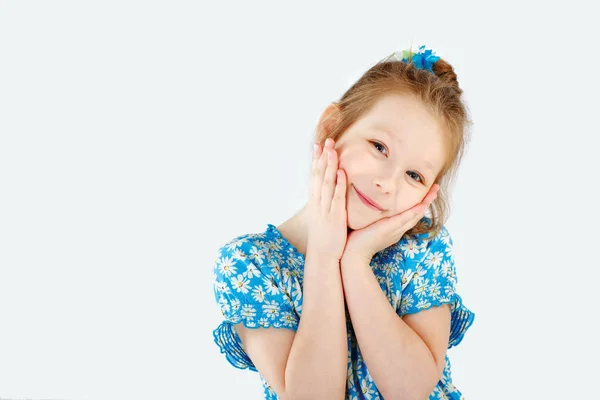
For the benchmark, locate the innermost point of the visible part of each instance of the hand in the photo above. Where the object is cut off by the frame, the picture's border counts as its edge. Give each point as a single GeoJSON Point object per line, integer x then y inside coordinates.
{"type": "Point", "coordinates": [327, 217]}
{"type": "Point", "coordinates": [364, 243]}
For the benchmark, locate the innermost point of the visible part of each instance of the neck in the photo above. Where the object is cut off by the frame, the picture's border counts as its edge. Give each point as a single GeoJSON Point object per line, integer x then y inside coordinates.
{"type": "Point", "coordinates": [295, 229]}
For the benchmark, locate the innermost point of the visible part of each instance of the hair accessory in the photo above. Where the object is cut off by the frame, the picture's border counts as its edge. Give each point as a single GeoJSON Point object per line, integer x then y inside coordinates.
{"type": "Point", "coordinates": [422, 59]}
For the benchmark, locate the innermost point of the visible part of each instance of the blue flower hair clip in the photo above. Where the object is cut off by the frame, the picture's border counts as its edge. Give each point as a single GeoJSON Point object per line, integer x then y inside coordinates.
{"type": "Point", "coordinates": [423, 59]}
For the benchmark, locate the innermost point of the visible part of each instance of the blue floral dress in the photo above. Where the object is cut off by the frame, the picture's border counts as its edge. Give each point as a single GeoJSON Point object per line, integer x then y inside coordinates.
{"type": "Point", "coordinates": [258, 281]}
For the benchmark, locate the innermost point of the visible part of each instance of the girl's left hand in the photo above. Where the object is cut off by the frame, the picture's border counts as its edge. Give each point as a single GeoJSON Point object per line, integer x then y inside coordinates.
{"type": "Point", "coordinates": [364, 243]}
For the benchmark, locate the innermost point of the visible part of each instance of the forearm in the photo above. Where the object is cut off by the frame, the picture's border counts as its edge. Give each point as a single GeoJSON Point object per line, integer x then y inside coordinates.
{"type": "Point", "coordinates": [398, 360]}
{"type": "Point", "coordinates": [316, 366]}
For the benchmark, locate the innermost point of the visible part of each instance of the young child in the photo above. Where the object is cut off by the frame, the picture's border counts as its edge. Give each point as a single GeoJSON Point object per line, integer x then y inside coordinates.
{"type": "Point", "coordinates": [354, 296]}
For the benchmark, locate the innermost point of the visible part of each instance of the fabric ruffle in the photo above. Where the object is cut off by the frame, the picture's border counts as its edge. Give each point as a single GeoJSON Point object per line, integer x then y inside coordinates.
{"type": "Point", "coordinates": [230, 344]}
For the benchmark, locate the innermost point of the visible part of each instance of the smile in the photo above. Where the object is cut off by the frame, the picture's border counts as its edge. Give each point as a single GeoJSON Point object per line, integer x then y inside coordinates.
{"type": "Point", "coordinates": [366, 201]}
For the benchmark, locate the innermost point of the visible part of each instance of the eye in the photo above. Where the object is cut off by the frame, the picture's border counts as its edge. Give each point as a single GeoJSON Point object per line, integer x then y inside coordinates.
{"type": "Point", "coordinates": [415, 176]}
{"type": "Point", "coordinates": [379, 146]}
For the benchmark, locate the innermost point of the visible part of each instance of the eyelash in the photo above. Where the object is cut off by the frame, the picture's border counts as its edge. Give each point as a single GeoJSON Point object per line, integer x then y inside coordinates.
{"type": "Point", "coordinates": [375, 144]}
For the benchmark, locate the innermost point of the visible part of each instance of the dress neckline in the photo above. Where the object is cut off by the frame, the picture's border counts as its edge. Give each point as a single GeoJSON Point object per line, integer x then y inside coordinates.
{"type": "Point", "coordinates": [277, 233]}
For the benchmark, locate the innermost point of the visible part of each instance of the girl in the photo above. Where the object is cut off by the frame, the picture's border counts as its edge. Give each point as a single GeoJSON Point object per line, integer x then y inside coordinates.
{"type": "Point", "coordinates": [354, 296]}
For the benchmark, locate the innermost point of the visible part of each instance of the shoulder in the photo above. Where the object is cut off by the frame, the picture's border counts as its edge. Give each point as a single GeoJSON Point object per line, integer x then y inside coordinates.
{"type": "Point", "coordinates": [253, 245]}
{"type": "Point", "coordinates": [255, 255]}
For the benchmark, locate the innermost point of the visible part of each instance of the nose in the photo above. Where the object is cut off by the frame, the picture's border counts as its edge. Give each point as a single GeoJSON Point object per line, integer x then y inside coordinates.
{"type": "Point", "coordinates": [388, 185]}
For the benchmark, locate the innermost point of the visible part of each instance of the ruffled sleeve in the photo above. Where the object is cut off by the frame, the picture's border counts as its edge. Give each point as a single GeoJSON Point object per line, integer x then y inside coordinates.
{"type": "Point", "coordinates": [249, 289]}
{"type": "Point", "coordinates": [429, 280]}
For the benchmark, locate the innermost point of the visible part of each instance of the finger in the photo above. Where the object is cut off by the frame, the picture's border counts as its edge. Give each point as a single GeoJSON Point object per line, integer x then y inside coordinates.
{"type": "Point", "coordinates": [429, 197]}
{"type": "Point", "coordinates": [329, 179]}
{"type": "Point", "coordinates": [431, 193]}
{"type": "Point", "coordinates": [317, 174]}
{"type": "Point", "coordinates": [339, 196]}
{"type": "Point", "coordinates": [316, 153]}
{"type": "Point", "coordinates": [435, 188]}
{"type": "Point", "coordinates": [404, 221]}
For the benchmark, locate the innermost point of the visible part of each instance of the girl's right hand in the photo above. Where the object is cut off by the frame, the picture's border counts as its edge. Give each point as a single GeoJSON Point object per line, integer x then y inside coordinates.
{"type": "Point", "coordinates": [327, 217]}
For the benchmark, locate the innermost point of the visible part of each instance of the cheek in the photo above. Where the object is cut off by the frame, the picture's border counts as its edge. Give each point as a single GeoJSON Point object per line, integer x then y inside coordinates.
{"type": "Point", "coordinates": [350, 163]}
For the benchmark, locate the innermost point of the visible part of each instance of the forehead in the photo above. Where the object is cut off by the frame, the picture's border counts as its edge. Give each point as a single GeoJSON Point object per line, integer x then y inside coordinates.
{"type": "Point", "coordinates": [402, 114]}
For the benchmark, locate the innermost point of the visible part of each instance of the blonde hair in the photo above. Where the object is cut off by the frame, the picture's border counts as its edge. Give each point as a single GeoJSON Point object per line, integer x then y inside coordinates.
{"type": "Point", "coordinates": [440, 92]}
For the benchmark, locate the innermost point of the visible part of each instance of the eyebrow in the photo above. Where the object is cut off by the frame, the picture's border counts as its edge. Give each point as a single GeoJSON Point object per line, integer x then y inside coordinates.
{"type": "Point", "coordinates": [395, 138]}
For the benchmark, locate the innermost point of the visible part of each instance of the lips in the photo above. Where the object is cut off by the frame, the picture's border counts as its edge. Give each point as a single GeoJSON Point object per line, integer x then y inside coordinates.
{"type": "Point", "coordinates": [367, 200]}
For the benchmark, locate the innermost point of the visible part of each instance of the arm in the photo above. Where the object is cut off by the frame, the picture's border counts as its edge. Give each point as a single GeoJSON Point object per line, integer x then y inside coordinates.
{"type": "Point", "coordinates": [404, 356]}
{"type": "Point", "coordinates": [310, 363]}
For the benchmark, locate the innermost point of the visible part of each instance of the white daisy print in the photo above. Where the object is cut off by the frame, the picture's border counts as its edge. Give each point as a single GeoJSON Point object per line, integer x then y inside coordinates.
{"type": "Point", "coordinates": [235, 304]}
{"type": "Point", "coordinates": [423, 303]}
{"type": "Point", "coordinates": [406, 303]}
{"type": "Point", "coordinates": [241, 284]}
{"type": "Point", "coordinates": [258, 294]}
{"type": "Point", "coordinates": [389, 268]}
{"type": "Point", "coordinates": [421, 287]}
{"type": "Point", "coordinates": [434, 259]}
{"type": "Point", "coordinates": [270, 286]}
{"type": "Point", "coordinates": [236, 243]}
{"type": "Point", "coordinates": [450, 252]}
{"type": "Point", "coordinates": [296, 292]}
{"type": "Point", "coordinates": [444, 237]}
{"type": "Point", "coordinates": [420, 272]}
{"type": "Point", "coordinates": [226, 266]}
{"type": "Point", "coordinates": [238, 254]}
{"type": "Point", "coordinates": [411, 248]}
{"type": "Point", "coordinates": [279, 257]}
{"type": "Point", "coordinates": [224, 304]}
{"type": "Point", "coordinates": [287, 318]}
{"type": "Point", "coordinates": [256, 255]}
{"type": "Point", "coordinates": [252, 270]}
{"type": "Point", "coordinates": [435, 290]}
{"type": "Point", "coordinates": [350, 376]}
{"type": "Point", "coordinates": [406, 277]}
{"type": "Point", "coordinates": [248, 311]}
{"type": "Point", "coordinates": [398, 257]}
{"type": "Point", "coordinates": [446, 267]}
{"type": "Point", "coordinates": [449, 289]}
{"type": "Point", "coordinates": [222, 287]}
{"type": "Point", "coordinates": [275, 265]}
{"type": "Point", "coordinates": [274, 245]}
{"type": "Point", "coordinates": [293, 261]}
{"type": "Point", "coordinates": [367, 389]}
{"type": "Point", "coordinates": [271, 309]}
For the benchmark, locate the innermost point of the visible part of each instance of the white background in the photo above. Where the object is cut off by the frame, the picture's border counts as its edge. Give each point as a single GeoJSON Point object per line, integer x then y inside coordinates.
{"type": "Point", "coordinates": [138, 137]}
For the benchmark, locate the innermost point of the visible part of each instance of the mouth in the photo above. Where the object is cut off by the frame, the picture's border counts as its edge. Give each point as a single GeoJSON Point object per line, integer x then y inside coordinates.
{"type": "Point", "coordinates": [367, 201]}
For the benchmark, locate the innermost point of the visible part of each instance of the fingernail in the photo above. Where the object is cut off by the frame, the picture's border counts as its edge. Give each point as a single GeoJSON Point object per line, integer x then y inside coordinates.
{"type": "Point", "coordinates": [315, 148]}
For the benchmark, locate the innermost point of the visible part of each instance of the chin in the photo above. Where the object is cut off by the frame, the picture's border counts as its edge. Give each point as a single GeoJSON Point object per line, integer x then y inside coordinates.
{"type": "Point", "coordinates": [358, 220]}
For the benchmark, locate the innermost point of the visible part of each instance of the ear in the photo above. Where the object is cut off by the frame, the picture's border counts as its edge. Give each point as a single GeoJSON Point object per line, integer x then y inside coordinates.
{"type": "Point", "coordinates": [327, 122]}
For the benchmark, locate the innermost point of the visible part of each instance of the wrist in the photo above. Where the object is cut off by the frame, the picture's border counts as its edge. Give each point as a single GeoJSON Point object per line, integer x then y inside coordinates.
{"type": "Point", "coordinates": [353, 257]}
{"type": "Point", "coordinates": [321, 258]}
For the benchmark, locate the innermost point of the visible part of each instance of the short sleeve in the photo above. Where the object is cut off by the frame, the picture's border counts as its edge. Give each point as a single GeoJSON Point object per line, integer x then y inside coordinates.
{"type": "Point", "coordinates": [248, 290]}
{"type": "Point", "coordinates": [430, 280]}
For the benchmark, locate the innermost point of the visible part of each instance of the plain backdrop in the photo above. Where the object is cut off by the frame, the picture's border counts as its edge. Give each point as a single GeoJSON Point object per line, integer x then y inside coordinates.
{"type": "Point", "coordinates": [136, 138]}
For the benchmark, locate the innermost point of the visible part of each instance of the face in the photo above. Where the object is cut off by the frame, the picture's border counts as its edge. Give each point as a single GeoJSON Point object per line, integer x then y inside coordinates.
{"type": "Point", "coordinates": [391, 155]}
